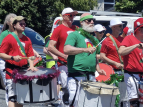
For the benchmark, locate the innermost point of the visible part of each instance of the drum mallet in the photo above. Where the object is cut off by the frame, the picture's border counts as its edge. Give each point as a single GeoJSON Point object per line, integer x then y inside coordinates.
{"type": "Point", "coordinates": [31, 58]}
{"type": "Point", "coordinates": [108, 34]}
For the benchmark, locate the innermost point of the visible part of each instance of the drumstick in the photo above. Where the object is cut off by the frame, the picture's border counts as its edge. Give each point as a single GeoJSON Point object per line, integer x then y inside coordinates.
{"type": "Point", "coordinates": [32, 57]}
{"type": "Point", "coordinates": [108, 34]}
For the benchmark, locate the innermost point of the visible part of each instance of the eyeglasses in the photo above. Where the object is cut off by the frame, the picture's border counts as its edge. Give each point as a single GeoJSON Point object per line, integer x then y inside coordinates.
{"type": "Point", "coordinates": [70, 15]}
{"type": "Point", "coordinates": [101, 32]}
{"type": "Point", "coordinates": [89, 20]}
{"type": "Point", "coordinates": [22, 24]}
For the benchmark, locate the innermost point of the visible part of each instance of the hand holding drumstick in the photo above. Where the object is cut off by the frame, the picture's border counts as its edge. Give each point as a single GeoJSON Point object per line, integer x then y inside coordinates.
{"type": "Point", "coordinates": [18, 58]}
{"type": "Point", "coordinates": [31, 58]}
{"type": "Point", "coordinates": [101, 41]}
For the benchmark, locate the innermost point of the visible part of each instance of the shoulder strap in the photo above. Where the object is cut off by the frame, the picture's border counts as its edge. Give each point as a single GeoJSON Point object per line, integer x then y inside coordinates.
{"type": "Point", "coordinates": [116, 48]}
{"type": "Point", "coordinates": [2, 37]}
{"type": "Point", "coordinates": [18, 41]}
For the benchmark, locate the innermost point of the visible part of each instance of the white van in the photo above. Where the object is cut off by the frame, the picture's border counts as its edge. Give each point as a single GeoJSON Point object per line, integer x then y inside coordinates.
{"type": "Point", "coordinates": [104, 17]}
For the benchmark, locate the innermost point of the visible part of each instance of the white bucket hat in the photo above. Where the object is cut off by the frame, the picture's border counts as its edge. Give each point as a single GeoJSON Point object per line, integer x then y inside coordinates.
{"type": "Point", "coordinates": [115, 21]}
{"type": "Point", "coordinates": [68, 10]}
{"type": "Point", "coordinates": [99, 28]}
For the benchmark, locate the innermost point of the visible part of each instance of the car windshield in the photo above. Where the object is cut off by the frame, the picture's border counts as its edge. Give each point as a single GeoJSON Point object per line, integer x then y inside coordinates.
{"type": "Point", "coordinates": [35, 37]}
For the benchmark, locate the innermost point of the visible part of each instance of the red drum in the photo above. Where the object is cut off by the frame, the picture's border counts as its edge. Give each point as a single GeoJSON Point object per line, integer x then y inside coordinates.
{"type": "Point", "coordinates": [108, 69]}
{"type": "Point", "coordinates": [37, 60]}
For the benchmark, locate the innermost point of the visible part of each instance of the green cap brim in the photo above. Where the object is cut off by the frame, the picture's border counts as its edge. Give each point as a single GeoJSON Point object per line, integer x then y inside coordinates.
{"type": "Point", "coordinates": [86, 17]}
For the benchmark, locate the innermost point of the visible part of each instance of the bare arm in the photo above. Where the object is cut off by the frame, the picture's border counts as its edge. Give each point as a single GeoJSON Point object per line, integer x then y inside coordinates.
{"type": "Point", "coordinates": [70, 50]}
{"type": "Point", "coordinates": [36, 53]}
{"type": "Point", "coordinates": [107, 60]}
{"type": "Point", "coordinates": [111, 62]}
{"type": "Point", "coordinates": [98, 56]}
{"type": "Point", "coordinates": [45, 50]}
{"type": "Point", "coordinates": [126, 50]}
{"type": "Point", "coordinates": [100, 71]}
{"type": "Point", "coordinates": [5, 56]}
{"type": "Point", "coordinates": [53, 50]}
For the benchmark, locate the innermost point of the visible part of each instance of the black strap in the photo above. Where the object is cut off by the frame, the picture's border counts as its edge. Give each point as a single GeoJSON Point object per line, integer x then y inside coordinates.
{"type": "Point", "coordinates": [62, 62]}
{"type": "Point", "coordinates": [75, 92]}
{"type": "Point", "coordinates": [12, 66]}
{"type": "Point", "coordinates": [81, 73]}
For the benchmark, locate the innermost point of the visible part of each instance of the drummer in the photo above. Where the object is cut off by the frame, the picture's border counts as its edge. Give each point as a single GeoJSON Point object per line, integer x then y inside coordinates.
{"type": "Point", "coordinates": [81, 65]}
{"type": "Point", "coordinates": [99, 31]}
{"type": "Point", "coordinates": [132, 51]}
{"type": "Point", "coordinates": [11, 52]}
{"type": "Point", "coordinates": [108, 51]}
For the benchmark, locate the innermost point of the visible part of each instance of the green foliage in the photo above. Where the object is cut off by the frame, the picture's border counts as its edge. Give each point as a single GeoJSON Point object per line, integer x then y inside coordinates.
{"type": "Point", "coordinates": [130, 6]}
{"type": "Point", "coordinates": [40, 14]}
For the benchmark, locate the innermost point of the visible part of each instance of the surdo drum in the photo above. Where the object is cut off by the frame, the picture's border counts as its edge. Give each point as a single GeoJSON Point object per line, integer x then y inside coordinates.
{"type": "Point", "coordinates": [96, 94]}
{"type": "Point", "coordinates": [36, 87]}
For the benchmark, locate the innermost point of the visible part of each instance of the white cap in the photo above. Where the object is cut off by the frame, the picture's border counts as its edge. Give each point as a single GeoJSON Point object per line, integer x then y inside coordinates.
{"type": "Point", "coordinates": [114, 22]}
{"type": "Point", "coordinates": [99, 28]}
{"type": "Point", "coordinates": [68, 10]}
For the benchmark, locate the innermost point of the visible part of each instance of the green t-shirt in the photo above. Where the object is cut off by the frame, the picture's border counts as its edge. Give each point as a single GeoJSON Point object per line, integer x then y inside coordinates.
{"type": "Point", "coordinates": [4, 34]}
{"type": "Point", "coordinates": [81, 62]}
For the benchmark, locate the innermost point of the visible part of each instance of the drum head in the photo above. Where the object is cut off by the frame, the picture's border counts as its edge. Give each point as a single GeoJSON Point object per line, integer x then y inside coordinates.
{"type": "Point", "coordinates": [108, 69]}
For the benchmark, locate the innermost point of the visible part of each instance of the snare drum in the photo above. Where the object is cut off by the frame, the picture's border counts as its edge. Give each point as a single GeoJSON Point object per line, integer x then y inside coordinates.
{"type": "Point", "coordinates": [96, 94]}
{"type": "Point", "coordinates": [108, 69]}
{"type": "Point", "coordinates": [36, 87]}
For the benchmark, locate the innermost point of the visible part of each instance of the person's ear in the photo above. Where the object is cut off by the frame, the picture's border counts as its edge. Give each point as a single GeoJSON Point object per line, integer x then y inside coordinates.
{"type": "Point", "coordinates": [81, 22]}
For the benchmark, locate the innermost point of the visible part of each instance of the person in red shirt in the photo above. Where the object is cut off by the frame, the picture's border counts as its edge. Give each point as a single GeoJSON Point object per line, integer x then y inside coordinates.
{"type": "Point", "coordinates": [11, 52]}
{"type": "Point", "coordinates": [127, 31]}
{"type": "Point", "coordinates": [108, 51]}
{"type": "Point", "coordinates": [57, 41]}
{"type": "Point", "coordinates": [132, 51]}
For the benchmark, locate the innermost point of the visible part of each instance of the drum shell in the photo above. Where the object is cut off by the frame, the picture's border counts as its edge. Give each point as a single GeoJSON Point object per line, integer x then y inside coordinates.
{"type": "Point", "coordinates": [33, 92]}
{"type": "Point", "coordinates": [87, 99]}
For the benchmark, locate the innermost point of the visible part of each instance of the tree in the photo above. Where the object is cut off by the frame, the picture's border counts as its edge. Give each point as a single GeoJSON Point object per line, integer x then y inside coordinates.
{"type": "Point", "coordinates": [130, 6]}
{"type": "Point", "coordinates": [40, 14]}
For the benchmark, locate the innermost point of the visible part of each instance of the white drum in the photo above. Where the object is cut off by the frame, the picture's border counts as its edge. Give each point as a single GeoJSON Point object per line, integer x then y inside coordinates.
{"type": "Point", "coordinates": [36, 87]}
{"type": "Point", "coordinates": [96, 94]}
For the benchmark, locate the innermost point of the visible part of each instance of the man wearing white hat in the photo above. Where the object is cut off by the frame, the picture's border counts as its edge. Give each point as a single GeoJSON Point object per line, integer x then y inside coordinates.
{"type": "Point", "coordinates": [108, 50]}
{"type": "Point", "coordinates": [58, 39]}
{"type": "Point", "coordinates": [110, 47]}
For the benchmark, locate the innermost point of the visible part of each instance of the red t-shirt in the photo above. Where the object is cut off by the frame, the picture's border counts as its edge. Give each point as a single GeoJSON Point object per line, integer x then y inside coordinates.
{"type": "Point", "coordinates": [133, 62]}
{"type": "Point", "coordinates": [110, 50]}
{"type": "Point", "coordinates": [60, 35]}
{"type": "Point", "coordinates": [120, 39]}
{"type": "Point", "coordinates": [10, 46]}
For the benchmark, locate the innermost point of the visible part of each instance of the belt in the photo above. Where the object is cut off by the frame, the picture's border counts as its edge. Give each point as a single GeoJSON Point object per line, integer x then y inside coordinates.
{"type": "Point", "coordinates": [129, 72]}
{"type": "Point", "coordinates": [81, 73]}
{"type": "Point", "coordinates": [117, 70]}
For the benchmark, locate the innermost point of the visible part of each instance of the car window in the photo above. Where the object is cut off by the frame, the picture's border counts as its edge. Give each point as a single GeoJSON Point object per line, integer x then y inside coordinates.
{"type": "Point", "coordinates": [35, 37]}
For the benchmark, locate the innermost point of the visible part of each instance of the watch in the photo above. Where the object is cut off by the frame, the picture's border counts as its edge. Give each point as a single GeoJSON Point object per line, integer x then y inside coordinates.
{"type": "Point", "coordinates": [12, 58]}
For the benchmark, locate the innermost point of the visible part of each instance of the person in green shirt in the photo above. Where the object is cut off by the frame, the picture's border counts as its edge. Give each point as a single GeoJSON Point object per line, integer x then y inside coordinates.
{"type": "Point", "coordinates": [80, 46]}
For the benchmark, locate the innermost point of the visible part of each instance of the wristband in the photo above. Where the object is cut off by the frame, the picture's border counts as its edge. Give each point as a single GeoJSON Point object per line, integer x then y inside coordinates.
{"type": "Point", "coordinates": [12, 58]}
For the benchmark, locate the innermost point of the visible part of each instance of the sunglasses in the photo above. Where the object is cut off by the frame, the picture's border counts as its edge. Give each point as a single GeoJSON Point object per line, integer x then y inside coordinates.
{"type": "Point", "coordinates": [101, 32]}
{"type": "Point", "coordinates": [70, 15]}
{"type": "Point", "coordinates": [89, 20]}
{"type": "Point", "coordinates": [22, 24]}
{"type": "Point", "coordinates": [120, 26]}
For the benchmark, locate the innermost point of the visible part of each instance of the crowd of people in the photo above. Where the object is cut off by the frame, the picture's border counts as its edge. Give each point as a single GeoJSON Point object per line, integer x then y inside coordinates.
{"type": "Point", "coordinates": [78, 50]}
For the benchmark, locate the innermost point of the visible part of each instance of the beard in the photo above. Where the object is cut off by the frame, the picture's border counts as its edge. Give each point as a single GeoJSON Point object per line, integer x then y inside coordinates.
{"type": "Point", "coordinates": [88, 27]}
